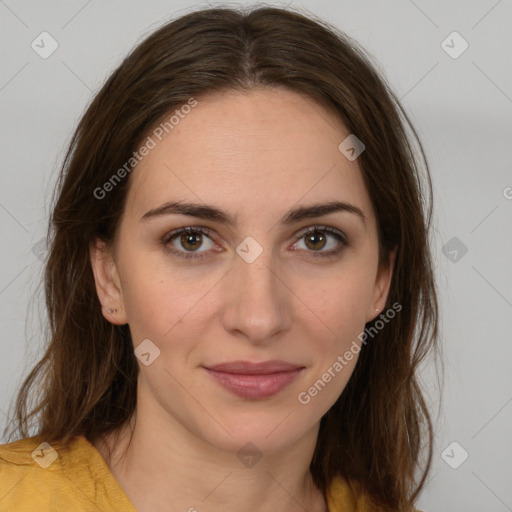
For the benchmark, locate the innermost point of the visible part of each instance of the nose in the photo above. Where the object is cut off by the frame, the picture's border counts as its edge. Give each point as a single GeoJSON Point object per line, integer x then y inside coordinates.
{"type": "Point", "coordinates": [258, 301]}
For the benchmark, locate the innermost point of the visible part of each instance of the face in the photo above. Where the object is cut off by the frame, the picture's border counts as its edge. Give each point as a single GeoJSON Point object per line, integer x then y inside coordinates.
{"type": "Point", "coordinates": [263, 274]}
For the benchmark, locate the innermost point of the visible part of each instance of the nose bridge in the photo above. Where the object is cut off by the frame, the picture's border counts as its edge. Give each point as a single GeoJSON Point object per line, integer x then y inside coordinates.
{"type": "Point", "coordinates": [257, 279]}
{"type": "Point", "coordinates": [259, 303]}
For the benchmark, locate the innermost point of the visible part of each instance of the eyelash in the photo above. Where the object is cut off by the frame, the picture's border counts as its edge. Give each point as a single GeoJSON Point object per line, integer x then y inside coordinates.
{"type": "Point", "coordinates": [205, 231]}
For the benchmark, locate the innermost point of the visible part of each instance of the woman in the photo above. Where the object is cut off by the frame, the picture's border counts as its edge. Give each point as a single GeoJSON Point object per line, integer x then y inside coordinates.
{"type": "Point", "coordinates": [239, 284]}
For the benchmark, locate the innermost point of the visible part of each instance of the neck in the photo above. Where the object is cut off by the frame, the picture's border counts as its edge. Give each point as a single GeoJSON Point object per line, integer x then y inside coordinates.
{"type": "Point", "coordinates": [158, 467]}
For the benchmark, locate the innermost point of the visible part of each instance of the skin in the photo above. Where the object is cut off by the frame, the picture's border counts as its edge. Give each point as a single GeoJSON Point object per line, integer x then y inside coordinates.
{"type": "Point", "coordinates": [254, 155]}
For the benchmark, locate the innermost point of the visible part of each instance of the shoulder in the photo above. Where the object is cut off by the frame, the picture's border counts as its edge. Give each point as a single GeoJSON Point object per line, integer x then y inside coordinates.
{"type": "Point", "coordinates": [36, 475]}
{"type": "Point", "coordinates": [345, 495]}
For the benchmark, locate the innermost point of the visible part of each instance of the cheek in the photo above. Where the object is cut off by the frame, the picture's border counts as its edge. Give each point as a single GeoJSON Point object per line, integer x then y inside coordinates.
{"type": "Point", "coordinates": [340, 308]}
{"type": "Point", "coordinates": [342, 303]}
{"type": "Point", "coordinates": [162, 300]}
{"type": "Point", "coordinates": [335, 320]}
{"type": "Point", "coordinates": [148, 289]}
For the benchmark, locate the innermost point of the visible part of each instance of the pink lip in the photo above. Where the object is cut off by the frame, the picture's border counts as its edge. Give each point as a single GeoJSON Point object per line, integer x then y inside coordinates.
{"type": "Point", "coordinates": [255, 380]}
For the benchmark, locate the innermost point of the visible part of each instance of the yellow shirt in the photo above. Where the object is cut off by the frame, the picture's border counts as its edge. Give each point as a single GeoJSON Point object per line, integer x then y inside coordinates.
{"type": "Point", "coordinates": [75, 477]}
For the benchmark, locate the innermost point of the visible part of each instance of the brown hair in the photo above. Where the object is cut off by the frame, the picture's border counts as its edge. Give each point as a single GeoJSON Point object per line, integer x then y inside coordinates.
{"type": "Point", "coordinates": [376, 432]}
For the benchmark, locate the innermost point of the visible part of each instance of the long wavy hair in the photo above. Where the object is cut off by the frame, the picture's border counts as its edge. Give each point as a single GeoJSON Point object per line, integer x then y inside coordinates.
{"type": "Point", "coordinates": [379, 432]}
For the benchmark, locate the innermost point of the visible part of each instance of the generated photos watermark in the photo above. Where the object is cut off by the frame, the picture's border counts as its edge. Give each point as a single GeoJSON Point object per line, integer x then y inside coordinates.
{"type": "Point", "coordinates": [151, 142]}
{"type": "Point", "coordinates": [305, 397]}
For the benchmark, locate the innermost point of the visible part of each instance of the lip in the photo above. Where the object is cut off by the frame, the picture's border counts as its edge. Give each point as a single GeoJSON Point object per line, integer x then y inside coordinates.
{"type": "Point", "coordinates": [250, 368]}
{"type": "Point", "coordinates": [255, 380]}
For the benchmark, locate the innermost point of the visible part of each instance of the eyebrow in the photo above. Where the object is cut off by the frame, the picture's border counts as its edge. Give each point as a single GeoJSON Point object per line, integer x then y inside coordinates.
{"type": "Point", "coordinates": [207, 212]}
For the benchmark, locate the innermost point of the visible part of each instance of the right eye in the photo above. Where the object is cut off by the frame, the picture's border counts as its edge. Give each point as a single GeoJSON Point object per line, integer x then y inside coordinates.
{"type": "Point", "coordinates": [190, 239]}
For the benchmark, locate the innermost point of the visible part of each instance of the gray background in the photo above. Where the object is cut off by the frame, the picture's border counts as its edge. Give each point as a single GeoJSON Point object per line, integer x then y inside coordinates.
{"type": "Point", "coordinates": [462, 108]}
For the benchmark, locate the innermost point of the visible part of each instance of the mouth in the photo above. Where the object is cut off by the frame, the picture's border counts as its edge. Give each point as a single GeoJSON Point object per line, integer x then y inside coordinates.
{"type": "Point", "coordinates": [254, 381]}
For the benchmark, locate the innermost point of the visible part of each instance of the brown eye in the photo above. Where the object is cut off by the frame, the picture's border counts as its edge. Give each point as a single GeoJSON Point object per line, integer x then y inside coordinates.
{"type": "Point", "coordinates": [315, 240]}
{"type": "Point", "coordinates": [189, 242]}
{"type": "Point", "coordinates": [322, 241]}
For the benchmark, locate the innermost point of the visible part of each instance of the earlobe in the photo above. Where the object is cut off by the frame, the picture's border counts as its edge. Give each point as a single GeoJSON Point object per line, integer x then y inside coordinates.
{"type": "Point", "coordinates": [107, 282]}
{"type": "Point", "coordinates": [382, 285]}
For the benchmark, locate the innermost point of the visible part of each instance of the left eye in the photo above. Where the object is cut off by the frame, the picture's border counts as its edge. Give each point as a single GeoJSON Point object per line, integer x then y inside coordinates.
{"type": "Point", "coordinates": [315, 239]}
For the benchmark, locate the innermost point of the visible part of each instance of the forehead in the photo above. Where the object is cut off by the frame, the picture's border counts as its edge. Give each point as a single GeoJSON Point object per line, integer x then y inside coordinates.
{"type": "Point", "coordinates": [258, 151]}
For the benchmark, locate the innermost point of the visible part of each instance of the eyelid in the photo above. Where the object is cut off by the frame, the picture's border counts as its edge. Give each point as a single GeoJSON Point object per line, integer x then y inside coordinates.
{"type": "Point", "coordinates": [200, 229]}
{"type": "Point", "coordinates": [321, 227]}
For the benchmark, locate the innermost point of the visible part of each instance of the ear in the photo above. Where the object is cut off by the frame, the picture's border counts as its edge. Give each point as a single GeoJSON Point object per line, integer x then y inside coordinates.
{"type": "Point", "coordinates": [382, 284]}
{"type": "Point", "coordinates": [108, 285]}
